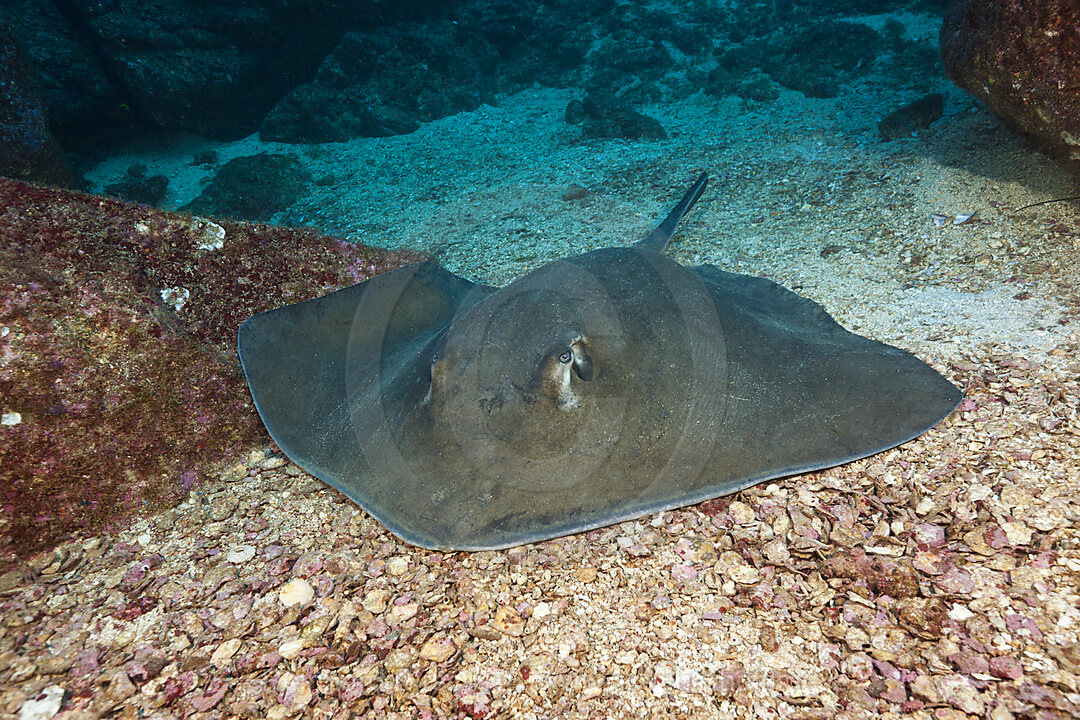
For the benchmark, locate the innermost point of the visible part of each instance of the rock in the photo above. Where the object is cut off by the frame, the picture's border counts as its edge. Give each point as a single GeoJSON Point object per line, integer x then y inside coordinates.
{"type": "Point", "coordinates": [585, 574]}
{"type": "Point", "coordinates": [914, 116]}
{"type": "Point", "coordinates": [1022, 60]}
{"type": "Point", "coordinates": [375, 601]}
{"type": "Point", "coordinates": [397, 565]}
{"type": "Point", "coordinates": [224, 506]}
{"type": "Point", "coordinates": [126, 402]}
{"type": "Point", "coordinates": [28, 150]}
{"type": "Point", "coordinates": [140, 188]}
{"type": "Point", "coordinates": [291, 649]}
{"type": "Point", "coordinates": [225, 651]}
{"type": "Point", "coordinates": [956, 690]}
{"type": "Point", "coordinates": [253, 187]}
{"type": "Point", "coordinates": [1006, 668]}
{"type": "Point", "coordinates": [741, 513]}
{"type": "Point", "coordinates": [400, 613]}
{"type": "Point", "coordinates": [296, 592]}
{"type": "Point", "coordinates": [438, 648]}
{"type": "Point", "coordinates": [240, 554]}
{"type": "Point", "coordinates": [508, 621]}
{"type": "Point", "coordinates": [297, 692]}
{"type": "Point", "coordinates": [815, 57]}
{"type": "Point", "coordinates": [386, 82]}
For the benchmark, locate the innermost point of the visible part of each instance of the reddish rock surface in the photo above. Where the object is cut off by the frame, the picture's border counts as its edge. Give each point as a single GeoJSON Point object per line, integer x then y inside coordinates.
{"type": "Point", "coordinates": [114, 399]}
{"type": "Point", "coordinates": [1023, 60]}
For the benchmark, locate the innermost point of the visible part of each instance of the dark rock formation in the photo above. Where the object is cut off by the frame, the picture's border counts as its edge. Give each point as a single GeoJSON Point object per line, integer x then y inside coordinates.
{"type": "Point", "coordinates": [118, 380]}
{"type": "Point", "coordinates": [210, 67]}
{"type": "Point", "coordinates": [386, 83]}
{"type": "Point", "coordinates": [1023, 61]}
{"type": "Point", "coordinates": [28, 150]}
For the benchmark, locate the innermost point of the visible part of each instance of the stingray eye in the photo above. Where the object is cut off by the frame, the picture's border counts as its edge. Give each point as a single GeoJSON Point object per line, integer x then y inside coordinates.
{"type": "Point", "coordinates": [566, 357]}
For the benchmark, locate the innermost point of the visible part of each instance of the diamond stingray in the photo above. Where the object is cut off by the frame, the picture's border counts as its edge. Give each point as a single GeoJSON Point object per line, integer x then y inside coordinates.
{"type": "Point", "coordinates": [595, 389]}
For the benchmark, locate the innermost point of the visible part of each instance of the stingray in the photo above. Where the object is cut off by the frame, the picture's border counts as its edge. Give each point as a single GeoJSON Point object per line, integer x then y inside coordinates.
{"type": "Point", "coordinates": [593, 390]}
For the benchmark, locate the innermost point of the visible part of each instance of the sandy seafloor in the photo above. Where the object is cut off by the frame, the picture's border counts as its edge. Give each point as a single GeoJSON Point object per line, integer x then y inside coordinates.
{"type": "Point", "coordinates": [757, 608]}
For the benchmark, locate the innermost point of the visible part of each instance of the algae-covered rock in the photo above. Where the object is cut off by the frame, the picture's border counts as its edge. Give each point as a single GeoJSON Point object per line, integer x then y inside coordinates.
{"type": "Point", "coordinates": [1023, 61]}
{"type": "Point", "coordinates": [118, 379]}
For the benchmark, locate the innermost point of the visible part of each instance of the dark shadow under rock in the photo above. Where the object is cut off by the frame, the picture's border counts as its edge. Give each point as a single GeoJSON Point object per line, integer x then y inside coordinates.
{"type": "Point", "coordinates": [914, 116]}
{"type": "Point", "coordinates": [602, 116]}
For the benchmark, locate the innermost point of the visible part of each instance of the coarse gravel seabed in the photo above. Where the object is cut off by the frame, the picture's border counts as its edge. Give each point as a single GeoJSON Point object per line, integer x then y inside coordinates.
{"type": "Point", "coordinates": [940, 579]}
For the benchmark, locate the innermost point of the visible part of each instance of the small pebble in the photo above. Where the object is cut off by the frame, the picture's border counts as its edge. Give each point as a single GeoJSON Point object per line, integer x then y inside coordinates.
{"type": "Point", "coordinates": [290, 649]}
{"type": "Point", "coordinates": [225, 651]}
{"type": "Point", "coordinates": [741, 513]}
{"type": "Point", "coordinates": [438, 649]}
{"type": "Point", "coordinates": [398, 565]}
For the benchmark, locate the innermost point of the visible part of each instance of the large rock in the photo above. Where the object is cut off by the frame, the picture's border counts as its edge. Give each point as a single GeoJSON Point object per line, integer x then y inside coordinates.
{"type": "Point", "coordinates": [1023, 61]}
{"type": "Point", "coordinates": [119, 384]}
{"type": "Point", "coordinates": [386, 83]}
{"type": "Point", "coordinates": [28, 150]}
{"type": "Point", "coordinates": [210, 67]}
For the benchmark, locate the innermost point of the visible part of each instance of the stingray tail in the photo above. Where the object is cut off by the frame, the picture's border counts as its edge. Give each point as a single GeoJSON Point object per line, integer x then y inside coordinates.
{"type": "Point", "coordinates": [658, 239]}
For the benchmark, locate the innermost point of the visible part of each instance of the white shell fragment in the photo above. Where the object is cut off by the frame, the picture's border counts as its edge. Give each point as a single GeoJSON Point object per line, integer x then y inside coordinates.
{"type": "Point", "coordinates": [211, 234]}
{"type": "Point", "coordinates": [176, 296]}
{"type": "Point", "coordinates": [939, 219]}
{"type": "Point", "coordinates": [46, 704]}
{"type": "Point", "coordinates": [10, 418]}
{"type": "Point", "coordinates": [960, 219]}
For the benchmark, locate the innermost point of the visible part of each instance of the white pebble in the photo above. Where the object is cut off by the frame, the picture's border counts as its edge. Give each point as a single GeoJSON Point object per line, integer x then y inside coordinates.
{"type": "Point", "coordinates": [960, 613]}
{"type": "Point", "coordinates": [10, 418]}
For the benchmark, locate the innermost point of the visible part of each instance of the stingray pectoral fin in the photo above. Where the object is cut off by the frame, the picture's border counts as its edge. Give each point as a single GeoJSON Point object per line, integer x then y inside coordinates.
{"type": "Point", "coordinates": [805, 393]}
{"type": "Point", "coordinates": [295, 357]}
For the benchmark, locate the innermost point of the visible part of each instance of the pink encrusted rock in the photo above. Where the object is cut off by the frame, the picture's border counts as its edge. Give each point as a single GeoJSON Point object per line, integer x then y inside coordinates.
{"type": "Point", "coordinates": [1006, 668]}
{"type": "Point", "coordinates": [970, 663]}
{"type": "Point", "coordinates": [956, 580]}
{"type": "Point", "coordinates": [957, 690]}
{"type": "Point", "coordinates": [684, 573]}
{"type": "Point", "coordinates": [858, 666]}
{"type": "Point", "coordinates": [119, 343]}
{"type": "Point", "coordinates": [929, 535]}
{"type": "Point", "coordinates": [203, 700]}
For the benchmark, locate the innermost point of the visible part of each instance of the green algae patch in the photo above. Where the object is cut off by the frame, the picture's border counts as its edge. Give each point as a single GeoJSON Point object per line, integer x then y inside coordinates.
{"type": "Point", "coordinates": [119, 384]}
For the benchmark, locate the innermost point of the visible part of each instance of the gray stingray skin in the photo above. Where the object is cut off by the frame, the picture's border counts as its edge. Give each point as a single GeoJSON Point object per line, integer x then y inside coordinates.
{"type": "Point", "coordinates": [592, 390]}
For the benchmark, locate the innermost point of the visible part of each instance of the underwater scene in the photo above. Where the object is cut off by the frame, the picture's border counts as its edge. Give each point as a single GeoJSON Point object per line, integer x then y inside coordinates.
{"type": "Point", "coordinates": [539, 359]}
